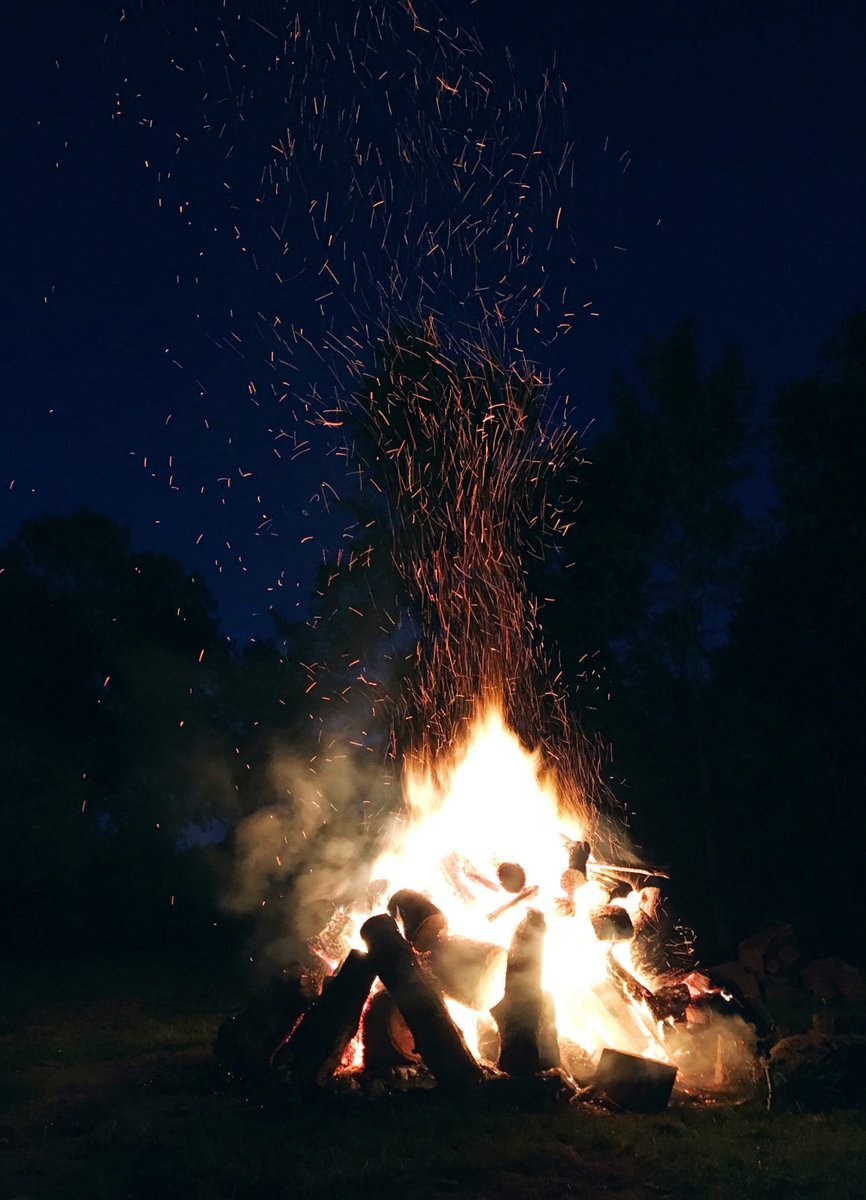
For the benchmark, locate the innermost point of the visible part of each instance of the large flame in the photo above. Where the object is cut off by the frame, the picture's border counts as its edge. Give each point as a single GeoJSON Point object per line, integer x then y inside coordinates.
{"type": "Point", "coordinates": [492, 804]}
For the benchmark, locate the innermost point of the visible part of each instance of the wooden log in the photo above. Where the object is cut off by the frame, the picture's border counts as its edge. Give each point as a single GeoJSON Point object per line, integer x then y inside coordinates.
{"type": "Point", "coordinates": [574, 876]}
{"type": "Point", "coordinates": [317, 1044]}
{"type": "Point", "coordinates": [578, 853]}
{"type": "Point", "coordinates": [437, 1039]}
{"type": "Point", "coordinates": [612, 923]}
{"type": "Point", "coordinates": [512, 876]}
{"type": "Point", "coordinates": [525, 1019]}
{"type": "Point", "coordinates": [465, 968]}
{"type": "Point", "coordinates": [247, 1042]}
{"type": "Point", "coordinates": [635, 1083]}
{"type": "Point", "coordinates": [526, 893]}
{"type": "Point", "coordinates": [422, 921]}
{"type": "Point", "coordinates": [386, 1038]}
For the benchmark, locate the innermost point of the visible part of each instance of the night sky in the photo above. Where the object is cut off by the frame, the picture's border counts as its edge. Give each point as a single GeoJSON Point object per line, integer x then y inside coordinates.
{"type": "Point", "coordinates": [720, 145]}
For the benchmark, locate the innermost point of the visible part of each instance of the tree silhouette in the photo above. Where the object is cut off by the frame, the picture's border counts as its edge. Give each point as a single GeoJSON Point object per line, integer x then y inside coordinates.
{"type": "Point", "coordinates": [644, 591]}
{"type": "Point", "coordinates": [113, 709]}
{"type": "Point", "coordinates": [790, 689]}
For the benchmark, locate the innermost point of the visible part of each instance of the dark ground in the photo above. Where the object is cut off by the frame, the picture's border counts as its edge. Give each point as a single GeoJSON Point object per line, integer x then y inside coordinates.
{"type": "Point", "coordinates": [108, 1089]}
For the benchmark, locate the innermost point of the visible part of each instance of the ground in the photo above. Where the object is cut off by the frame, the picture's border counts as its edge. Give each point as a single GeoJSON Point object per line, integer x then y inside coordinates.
{"type": "Point", "coordinates": [108, 1089]}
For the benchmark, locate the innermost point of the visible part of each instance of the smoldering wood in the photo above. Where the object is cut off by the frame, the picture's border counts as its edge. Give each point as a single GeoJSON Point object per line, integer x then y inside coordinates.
{"type": "Point", "coordinates": [421, 919]}
{"type": "Point", "coordinates": [524, 1016]}
{"type": "Point", "coordinates": [437, 1039]}
{"type": "Point", "coordinates": [635, 1083]}
{"type": "Point", "coordinates": [612, 923]}
{"type": "Point", "coordinates": [464, 968]}
{"type": "Point", "coordinates": [386, 1038]}
{"type": "Point", "coordinates": [317, 1044]}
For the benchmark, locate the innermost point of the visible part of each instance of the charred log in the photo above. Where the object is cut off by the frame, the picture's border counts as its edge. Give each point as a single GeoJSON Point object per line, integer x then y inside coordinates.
{"type": "Point", "coordinates": [437, 1039]}
{"type": "Point", "coordinates": [612, 923]}
{"type": "Point", "coordinates": [246, 1042]}
{"type": "Point", "coordinates": [386, 1038]}
{"type": "Point", "coordinates": [422, 921]}
{"type": "Point", "coordinates": [635, 1083]}
{"type": "Point", "coordinates": [314, 1050]}
{"type": "Point", "coordinates": [527, 1033]}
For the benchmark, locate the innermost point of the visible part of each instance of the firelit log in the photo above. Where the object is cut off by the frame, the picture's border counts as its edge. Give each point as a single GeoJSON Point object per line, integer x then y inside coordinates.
{"type": "Point", "coordinates": [319, 1041]}
{"type": "Point", "coordinates": [527, 1034]}
{"type": "Point", "coordinates": [437, 1039]}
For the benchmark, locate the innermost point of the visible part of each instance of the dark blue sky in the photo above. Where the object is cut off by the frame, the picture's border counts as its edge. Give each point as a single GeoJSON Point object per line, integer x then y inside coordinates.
{"type": "Point", "coordinates": [744, 204]}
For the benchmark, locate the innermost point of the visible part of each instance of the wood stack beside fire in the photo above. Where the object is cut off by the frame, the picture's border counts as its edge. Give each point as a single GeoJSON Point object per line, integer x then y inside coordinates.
{"type": "Point", "coordinates": [384, 1013]}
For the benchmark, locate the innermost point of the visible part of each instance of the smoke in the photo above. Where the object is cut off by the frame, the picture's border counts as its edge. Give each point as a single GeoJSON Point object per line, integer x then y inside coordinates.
{"type": "Point", "coordinates": [307, 851]}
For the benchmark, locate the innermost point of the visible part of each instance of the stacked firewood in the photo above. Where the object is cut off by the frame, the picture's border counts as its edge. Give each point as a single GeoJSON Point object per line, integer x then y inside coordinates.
{"type": "Point", "coordinates": [392, 998]}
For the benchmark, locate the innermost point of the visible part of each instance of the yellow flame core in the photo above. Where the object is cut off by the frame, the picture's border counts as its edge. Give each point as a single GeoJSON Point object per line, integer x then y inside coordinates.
{"type": "Point", "coordinates": [493, 804]}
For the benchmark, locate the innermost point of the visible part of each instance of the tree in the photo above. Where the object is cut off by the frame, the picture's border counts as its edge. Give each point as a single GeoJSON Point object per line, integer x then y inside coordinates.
{"type": "Point", "coordinates": [645, 587]}
{"type": "Point", "coordinates": [790, 684]}
{"type": "Point", "coordinates": [110, 674]}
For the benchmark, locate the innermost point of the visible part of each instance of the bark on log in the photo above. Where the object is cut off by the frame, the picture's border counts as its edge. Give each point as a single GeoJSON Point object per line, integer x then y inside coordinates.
{"type": "Point", "coordinates": [437, 1039]}
{"type": "Point", "coordinates": [524, 1015]}
{"type": "Point", "coordinates": [313, 1051]}
{"type": "Point", "coordinates": [422, 921]}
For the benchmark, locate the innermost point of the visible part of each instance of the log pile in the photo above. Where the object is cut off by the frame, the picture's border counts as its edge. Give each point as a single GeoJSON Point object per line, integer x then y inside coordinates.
{"type": "Point", "coordinates": [385, 1010]}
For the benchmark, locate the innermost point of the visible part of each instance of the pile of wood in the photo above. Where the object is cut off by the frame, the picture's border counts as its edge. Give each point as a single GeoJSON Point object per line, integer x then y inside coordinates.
{"type": "Point", "coordinates": [772, 979]}
{"type": "Point", "coordinates": [391, 999]}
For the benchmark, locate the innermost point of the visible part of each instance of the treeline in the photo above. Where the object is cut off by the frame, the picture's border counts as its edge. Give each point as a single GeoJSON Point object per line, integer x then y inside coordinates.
{"type": "Point", "coordinates": [732, 647]}
{"type": "Point", "coordinates": [718, 655]}
{"type": "Point", "coordinates": [131, 735]}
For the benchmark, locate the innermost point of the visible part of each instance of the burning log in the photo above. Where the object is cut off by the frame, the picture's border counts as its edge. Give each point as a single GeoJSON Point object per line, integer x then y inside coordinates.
{"type": "Point", "coordinates": [524, 894]}
{"type": "Point", "coordinates": [317, 1044]}
{"type": "Point", "coordinates": [464, 968]}
{"type": "Point", "coordinates": [437, 1039]}
{"type": "Point", "coordinates": [574, 876]}
{"type": "Point", "coordinates": [386, 1037]}
{"type": "Point", "coordinates": [512, 876]}
{"type": "Point", "coordinates": [422, 921]}
{"type": "Point", "coordinates": [670, 1001]}
{"type": "Point", "coordinates": [525, 1017]}
{"type": "Point", "coordinates": [612, 923]}
{"type": "Point", "coordinates": [635, 1083]}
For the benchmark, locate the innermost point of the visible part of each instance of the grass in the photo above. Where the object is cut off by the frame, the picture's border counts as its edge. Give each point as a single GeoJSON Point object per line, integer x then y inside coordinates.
{"type": "Point", "coordinates": [108, 1089]}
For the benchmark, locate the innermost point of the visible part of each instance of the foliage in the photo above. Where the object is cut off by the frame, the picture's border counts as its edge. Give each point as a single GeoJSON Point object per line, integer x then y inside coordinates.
{"type": "Point", "coordinates": [119, 712]}
{"type": "Point", "coordinates": [789, 687]}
